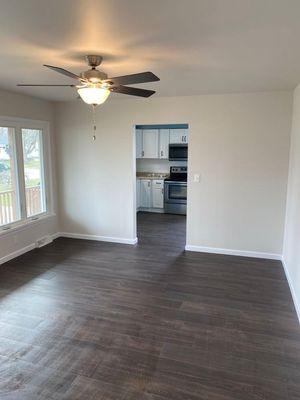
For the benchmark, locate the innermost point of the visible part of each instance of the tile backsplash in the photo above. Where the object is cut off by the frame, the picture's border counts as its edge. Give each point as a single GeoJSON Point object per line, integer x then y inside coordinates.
{"type": "Point", "coordinates": [155, 165]}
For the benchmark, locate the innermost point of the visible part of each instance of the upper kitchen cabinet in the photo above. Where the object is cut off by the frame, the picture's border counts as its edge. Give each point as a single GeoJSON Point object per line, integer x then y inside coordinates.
{"type": "Point", "coordinates": [139, 143]}
{"type": "Point", "coordinates": [178, 136]}
{"type": "Point", "coordinates": [164, 140]}
{"type": "Point", "coordinates": [150, 143]}
{"type": "Point", "coordinates": [147, 143]}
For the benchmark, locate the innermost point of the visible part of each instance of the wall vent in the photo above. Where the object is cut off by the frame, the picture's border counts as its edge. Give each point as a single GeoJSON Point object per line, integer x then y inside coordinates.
{"type": "Point", "coordinates": [43, 241]}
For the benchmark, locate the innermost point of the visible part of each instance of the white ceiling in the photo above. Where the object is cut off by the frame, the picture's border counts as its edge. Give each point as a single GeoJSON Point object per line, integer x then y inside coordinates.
{"type": "Point", "coordinates": [194, 46]}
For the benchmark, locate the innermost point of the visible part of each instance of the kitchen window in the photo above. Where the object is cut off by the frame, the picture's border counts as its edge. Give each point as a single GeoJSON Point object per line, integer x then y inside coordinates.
{"type": "Point", "coordinates": [24, 172]}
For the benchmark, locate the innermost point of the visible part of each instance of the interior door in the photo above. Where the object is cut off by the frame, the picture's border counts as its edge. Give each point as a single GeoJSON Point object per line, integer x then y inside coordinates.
{"type": "Point", "coordinates": [150, 143]}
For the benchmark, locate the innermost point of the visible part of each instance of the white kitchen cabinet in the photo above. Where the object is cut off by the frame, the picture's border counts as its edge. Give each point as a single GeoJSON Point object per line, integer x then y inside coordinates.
{"type": "Point", "coordinates": [138, 193]}
{"type": "Point", "coordinates": [139, 143]}
{"type": "Point", "coordinates": [178, 136]}
{"type": "Point", "coordinates": [145, 193]}
{"type": "Point", "coordinates": [157, 193]}
{"type": "Point", "coordinates": [150, 143]}
{"type": "Point", "coordinates": [164, 140]}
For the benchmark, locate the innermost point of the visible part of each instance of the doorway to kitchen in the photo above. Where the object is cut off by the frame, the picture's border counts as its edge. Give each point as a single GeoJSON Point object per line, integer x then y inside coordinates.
{"type": "Point", "coordinates": [161, 160]}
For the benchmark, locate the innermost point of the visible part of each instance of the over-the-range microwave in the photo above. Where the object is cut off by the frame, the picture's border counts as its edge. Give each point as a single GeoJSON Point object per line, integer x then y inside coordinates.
{"type": "Point", "coordinates": [178, 152]}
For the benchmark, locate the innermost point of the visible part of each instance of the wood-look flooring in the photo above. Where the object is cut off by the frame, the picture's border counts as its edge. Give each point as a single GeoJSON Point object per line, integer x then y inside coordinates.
{"type": "Point", "coordinates": [82, 320]}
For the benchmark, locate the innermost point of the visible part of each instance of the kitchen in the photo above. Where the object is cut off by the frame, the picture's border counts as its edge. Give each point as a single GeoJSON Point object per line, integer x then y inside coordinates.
{"type": "Point", "coordinates": [161, 168]}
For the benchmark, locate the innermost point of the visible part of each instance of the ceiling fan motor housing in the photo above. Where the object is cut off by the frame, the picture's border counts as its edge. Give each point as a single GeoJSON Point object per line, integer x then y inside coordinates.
{"type": "Point", "coordinates": [94, 75]}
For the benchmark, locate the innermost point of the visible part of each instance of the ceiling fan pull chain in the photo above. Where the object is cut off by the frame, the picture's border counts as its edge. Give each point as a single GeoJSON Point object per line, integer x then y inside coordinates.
{"type": "Point", "coordinates": [94, 121]}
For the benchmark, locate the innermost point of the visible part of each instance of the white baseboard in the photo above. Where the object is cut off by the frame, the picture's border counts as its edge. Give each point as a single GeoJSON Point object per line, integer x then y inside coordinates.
{"type": "Point", "coordinates": [242, 253]}
{"type": "Point", "coordinates": [111, 239]}
{"type": "Point", "coordinates": [17, 253]}
{"type": "Point", "coordinates": [38, 243]}
{"type": "Point", "coordinates": [292, 290]}
{"type": "Point", "coordinates": [48, 239]}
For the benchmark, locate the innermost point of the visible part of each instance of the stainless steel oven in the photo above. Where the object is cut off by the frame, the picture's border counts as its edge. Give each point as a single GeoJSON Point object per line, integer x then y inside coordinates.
{"type": "Point", "coordinates": [175, 191]}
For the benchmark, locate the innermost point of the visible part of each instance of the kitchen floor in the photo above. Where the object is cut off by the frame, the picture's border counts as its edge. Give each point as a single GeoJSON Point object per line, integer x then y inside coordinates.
{"type": "Point", "coordinates": [93, 321]}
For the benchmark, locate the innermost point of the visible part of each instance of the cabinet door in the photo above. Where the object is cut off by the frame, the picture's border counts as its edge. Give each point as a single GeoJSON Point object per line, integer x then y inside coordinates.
{"type": "Point", "coordinates": [150, 143]}
{"type": "Point", "coordinates": [158, 194]}
{"type": "Point", "coordinates": [185, 136]}
{"type": "Point", "coordinates": [145, 199]}
{"type": "Point", "coordinates": [178, 136]}
{"type": "Point", "coordinates": [139, 143]}
{"type": "Point", "coordinates": [138, 193]}
{"type": "Point", "coordinates": [164, 140]}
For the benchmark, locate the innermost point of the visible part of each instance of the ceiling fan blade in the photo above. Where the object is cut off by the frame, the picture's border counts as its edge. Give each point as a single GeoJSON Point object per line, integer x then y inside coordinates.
{"type": "Point", "coordinates": [142, 77]}
{"type": "Point", "coordinates": [26, 84]}
{"type": "Point", "coordinates": [63, 71]}
{"type": "Point", "coordinates": [132, 91]}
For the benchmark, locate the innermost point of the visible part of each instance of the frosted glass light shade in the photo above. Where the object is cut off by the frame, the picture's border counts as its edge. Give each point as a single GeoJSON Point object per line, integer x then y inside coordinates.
{"type": "Point", "coordinates": [93, 95]}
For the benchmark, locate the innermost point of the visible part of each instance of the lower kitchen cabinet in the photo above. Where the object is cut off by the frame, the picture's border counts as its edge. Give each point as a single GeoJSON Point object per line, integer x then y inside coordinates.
{"type": "Point", "coordinates": [150, 194]}
{"type": "Point", "coordinates": [138, 193]}
{"type": "Point", "coordinates": [158, 194]}
{"type": "Point", "coordinates": [145, 193]}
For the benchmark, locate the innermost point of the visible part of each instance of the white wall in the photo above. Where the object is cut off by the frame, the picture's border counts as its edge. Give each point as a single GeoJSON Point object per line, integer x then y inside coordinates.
{"type": "Point", "coordinates": [238, 143]}
{"type": "Point", "coordinates": [16, 105]}
{"type": "Point", "coordinates": [291, 254]}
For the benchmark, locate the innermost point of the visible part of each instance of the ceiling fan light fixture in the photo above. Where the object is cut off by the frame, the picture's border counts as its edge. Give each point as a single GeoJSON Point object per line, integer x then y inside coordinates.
{"type": "Point", "coordinates": [93, 94]}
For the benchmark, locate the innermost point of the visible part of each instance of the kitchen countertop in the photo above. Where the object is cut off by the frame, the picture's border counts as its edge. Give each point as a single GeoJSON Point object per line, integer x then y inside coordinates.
{"type": "Point", "coordinates": [151, 175]}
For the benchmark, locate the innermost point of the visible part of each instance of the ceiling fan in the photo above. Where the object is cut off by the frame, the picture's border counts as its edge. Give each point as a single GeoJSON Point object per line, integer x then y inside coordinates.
{"type": "Point", "coordinates": [94, 86]}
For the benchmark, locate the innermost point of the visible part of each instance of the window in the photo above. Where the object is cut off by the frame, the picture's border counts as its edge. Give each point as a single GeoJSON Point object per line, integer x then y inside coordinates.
{"type": "Point", "coordinates": [9, 196]}
{"type": "Point", "coordinates": [33, 171]}
{"type": "Point", "coordinates": [23, 172]}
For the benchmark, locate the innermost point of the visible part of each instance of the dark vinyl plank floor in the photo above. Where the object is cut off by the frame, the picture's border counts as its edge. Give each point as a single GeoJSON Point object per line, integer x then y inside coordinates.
{"type": "Point", "coordinates": [82, 320]}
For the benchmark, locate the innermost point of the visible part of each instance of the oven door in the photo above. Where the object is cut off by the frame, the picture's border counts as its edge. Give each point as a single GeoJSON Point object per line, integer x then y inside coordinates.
{"type": "Point", "coordinates": [175, 192]}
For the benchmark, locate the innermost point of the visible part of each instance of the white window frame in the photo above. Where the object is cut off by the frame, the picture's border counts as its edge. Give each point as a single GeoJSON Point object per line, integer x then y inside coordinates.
{"type": "Point", "coordinates": [18, 124]}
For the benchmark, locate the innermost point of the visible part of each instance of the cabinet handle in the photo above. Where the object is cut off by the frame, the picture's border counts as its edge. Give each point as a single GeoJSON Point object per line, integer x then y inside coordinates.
{"type": "Point", "coordinates": [162, 191]}
{"type": "Point", "coordinates": [149, 184]}
{"type": "Point", "coordinates": [143, 153]}
{"type": "Point", "coordinates": [161, 153]}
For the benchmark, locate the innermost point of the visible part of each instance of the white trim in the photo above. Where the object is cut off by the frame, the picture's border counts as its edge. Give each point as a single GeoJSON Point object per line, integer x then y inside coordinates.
{"type": "Point", "coordinates": [46, 159]}
{"type": "Point", "coordinates": [98, 238]}
{"type": "Point", "coordinates": [292, 290]}
{"type": "Point", "coordinates": [43, 241]}
{"type": "Point", "coordinates": [38, 243]}
{"type": "Point", "coordinates": [17, 253]}
{"type": "Point", "coordinates": [242, 253]}
{"type": "Point", "coordinates": [24, 224]}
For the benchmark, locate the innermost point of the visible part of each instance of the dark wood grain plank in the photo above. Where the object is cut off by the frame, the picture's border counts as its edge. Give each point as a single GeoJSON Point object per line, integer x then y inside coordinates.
{"type": "Point", "coordinates": [102, 321]}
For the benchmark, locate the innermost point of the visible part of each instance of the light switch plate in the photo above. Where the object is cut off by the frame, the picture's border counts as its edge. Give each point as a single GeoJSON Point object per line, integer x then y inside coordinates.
{"type": "Point", "coordinates": [197, 178]}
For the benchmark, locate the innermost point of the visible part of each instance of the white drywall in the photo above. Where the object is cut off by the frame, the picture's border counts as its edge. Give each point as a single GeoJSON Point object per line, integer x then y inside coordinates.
{"type": "Point", "coordinates": [291, 252]}
{"type": "Point", "coordinates": [238, 143]}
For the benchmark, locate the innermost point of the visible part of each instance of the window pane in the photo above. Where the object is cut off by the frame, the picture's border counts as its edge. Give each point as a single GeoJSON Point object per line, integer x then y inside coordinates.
{"type": "Point", "coordinates": [9, 199]}
{"type": "Point", "coordinates": [33, 171]}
